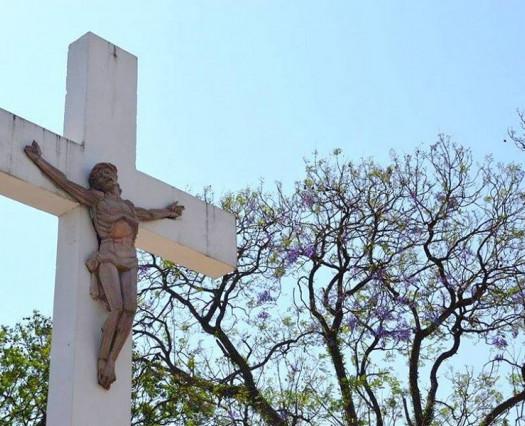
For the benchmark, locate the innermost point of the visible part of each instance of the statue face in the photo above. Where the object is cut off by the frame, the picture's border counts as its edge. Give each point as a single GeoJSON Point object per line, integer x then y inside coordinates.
{"type": "Point", "coordinates": [103, 177]}
{"type": "Point", "coordinates": [106, 180]}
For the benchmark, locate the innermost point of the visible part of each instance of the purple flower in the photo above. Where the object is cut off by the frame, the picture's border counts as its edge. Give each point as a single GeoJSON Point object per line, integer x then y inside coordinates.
{"type": "Point", "coordinates": [291, 256]}
{"type": "Point", "coordinates": [518, 297]}
{"type": "Point", "coordinates": [402, 334]}
{"type": "Point", "coordinates": [263, 315]}
{"type": "Point", "coordinates": [453, 202]}
{"type": "Point", "coordinates": [383, 313]}
{"type": "Point", "coordinates": [381, 331]}
{"type": "Point", "coordinates": [380, 274]}
{"type": "Point", "coordinates": [142, 271]}
{"type": "Point", "coordinates": [416, 231]}
{"type": "Point", "coordinates": [264, 297]}
{"type": "Point", "coordinates": [308, 199]}
{"type": "Point", "coordinates": [466, 253]}
{"type": "Point", "coordinates": [499, 342]}
{"type": "Point", "coordinates": [351, 321]}
{"type": "Point", "coordinates": [403, 300]}
{"type": "Point", "coordinates": [431, 316]}
{"type": "Point", "coordinates": [309, 250]}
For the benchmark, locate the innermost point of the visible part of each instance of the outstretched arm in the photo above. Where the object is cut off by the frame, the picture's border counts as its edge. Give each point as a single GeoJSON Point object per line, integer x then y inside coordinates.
{"type": "Point", "coordinates": [173, 211]}
{"type": "Point", "coordinates": [78, 192]}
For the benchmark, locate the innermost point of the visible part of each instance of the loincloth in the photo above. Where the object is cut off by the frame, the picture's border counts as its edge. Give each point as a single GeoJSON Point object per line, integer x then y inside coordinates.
{"type": "Point", "coordinates": [120, 254]}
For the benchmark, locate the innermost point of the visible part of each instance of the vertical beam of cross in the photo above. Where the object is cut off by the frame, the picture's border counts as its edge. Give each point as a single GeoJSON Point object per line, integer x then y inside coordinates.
{"type": "Point", "coordinates": [100, 113]}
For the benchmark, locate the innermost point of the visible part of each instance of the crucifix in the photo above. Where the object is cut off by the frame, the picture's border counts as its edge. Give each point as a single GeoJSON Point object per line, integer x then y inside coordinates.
{"type": "Point", "coordinates": [100, 129]}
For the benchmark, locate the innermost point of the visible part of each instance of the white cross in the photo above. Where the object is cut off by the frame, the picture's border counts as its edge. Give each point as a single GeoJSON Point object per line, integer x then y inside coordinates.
{"type": "Point", "coordinates": [100, 126]}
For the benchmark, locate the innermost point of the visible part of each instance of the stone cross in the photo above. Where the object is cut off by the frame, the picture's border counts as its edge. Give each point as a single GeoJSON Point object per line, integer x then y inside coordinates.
{"type": "Point", "coordinates": [100, 126]}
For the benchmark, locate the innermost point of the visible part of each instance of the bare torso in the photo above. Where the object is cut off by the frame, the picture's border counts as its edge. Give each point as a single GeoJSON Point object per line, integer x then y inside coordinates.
{"type": "Point", "coordinates": [115, 219]}
{"type": "Point", "coordinates": [116, 223]}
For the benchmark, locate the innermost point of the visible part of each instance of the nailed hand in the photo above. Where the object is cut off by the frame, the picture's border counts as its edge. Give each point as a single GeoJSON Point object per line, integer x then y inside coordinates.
{"type": "Point", "coordinates": [33, 151]}
{"type": "Point", "coordinates": [175, 210]}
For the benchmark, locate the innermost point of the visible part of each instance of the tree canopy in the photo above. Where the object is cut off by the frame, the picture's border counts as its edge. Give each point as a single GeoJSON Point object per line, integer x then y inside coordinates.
{"type": "Point", "coordinates": [355, 293]}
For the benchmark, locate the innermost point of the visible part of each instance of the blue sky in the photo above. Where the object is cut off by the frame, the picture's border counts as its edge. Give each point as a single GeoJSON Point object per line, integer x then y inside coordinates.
{"type": "Point", "coordinates": [233, 91]}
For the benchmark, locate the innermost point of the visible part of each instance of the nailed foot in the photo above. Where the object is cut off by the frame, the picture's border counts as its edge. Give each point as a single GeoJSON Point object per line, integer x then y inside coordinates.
{"type": "Point", "coordinates": [106, 373]}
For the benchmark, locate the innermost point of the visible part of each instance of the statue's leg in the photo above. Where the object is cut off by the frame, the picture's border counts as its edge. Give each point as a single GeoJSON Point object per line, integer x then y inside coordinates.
{"type": "Point", "coordinates": [110, 280]}
{"type": "Point", "coordinates": [128, 280]}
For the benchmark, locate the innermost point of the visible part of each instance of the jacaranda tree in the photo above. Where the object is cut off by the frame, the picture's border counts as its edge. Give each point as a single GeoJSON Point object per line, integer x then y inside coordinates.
{"type": "Point", "coordinates": [367, 294]}
{"type": "Point", "coordinates": [354, 295]}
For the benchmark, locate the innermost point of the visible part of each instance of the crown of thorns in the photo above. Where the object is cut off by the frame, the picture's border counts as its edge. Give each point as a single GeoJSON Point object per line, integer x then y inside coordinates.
{"type": "Point", "coordinates": [98, 170]}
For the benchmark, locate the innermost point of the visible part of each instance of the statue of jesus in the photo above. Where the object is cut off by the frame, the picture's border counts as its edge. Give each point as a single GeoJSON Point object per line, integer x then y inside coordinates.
{"type": "Point", "coordinates": [114, 264]}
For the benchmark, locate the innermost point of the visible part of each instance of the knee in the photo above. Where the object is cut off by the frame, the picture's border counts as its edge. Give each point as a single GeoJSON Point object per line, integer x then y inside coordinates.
{"type": "Point", "coordinates": [130, 308]}
{"type": "Point", "coordinates": [116, 308]}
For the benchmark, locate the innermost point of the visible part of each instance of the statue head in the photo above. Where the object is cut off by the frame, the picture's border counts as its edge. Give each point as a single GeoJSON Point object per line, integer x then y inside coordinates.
{"type": "Point", "coordinates": [103, 177]}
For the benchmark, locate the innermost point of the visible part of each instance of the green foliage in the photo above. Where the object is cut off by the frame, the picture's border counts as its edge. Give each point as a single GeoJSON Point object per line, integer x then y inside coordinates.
{"type": "Point", "coordinates": [158, 398]}
{"type": "Point", "coordinates": [24, 355]}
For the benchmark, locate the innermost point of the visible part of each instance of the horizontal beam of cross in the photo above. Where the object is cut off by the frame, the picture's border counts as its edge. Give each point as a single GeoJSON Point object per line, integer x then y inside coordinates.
{"type": "Point", "coordinates": [202, 239]}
